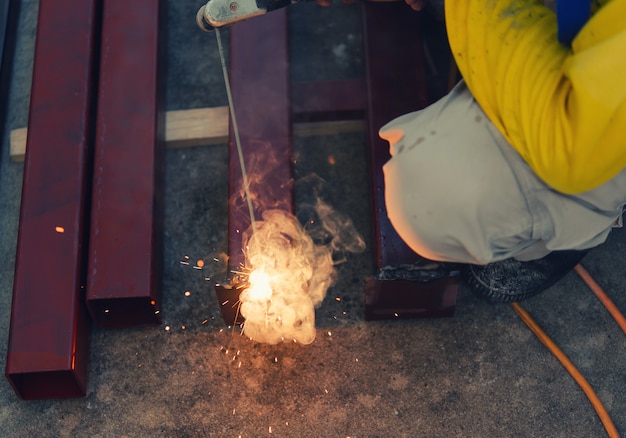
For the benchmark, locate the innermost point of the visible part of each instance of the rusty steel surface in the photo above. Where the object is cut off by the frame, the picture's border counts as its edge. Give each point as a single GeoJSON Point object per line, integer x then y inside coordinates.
{"type": "Point", "coordinates": [328, 100]}
{"type": "Point", "coordinates": [228, 298]}
{"type": "Point", "coordinates": [49, 329]}
{"type": "Point", "coordinates": [395, 86]}
{"type": "Point", "coordinates": [395, 82]}
{"type": "Point", "coordinates": [123, 281]}
{"type": "Point", "coordinates": [259, 76]}
{"type": "Point", "coordinates": [404, 299]}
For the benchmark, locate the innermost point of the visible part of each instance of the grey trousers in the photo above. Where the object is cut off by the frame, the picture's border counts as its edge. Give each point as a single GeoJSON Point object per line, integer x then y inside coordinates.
{"type": "Point", "coordinates": [457, 191]}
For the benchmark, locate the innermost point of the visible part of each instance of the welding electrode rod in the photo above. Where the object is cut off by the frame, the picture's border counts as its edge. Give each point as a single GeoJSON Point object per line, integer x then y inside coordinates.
{"type": "Point", "coordinates": [231, 107]}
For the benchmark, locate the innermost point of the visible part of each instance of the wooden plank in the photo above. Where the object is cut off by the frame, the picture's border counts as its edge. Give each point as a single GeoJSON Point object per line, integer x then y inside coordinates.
{"type": "Point", "coordinates": [49, 329]}
{"type": "Point", "coordinates": [259, 76]}
{"type": "Point", "coordinates": [196, 127]}
{"type": "Point", "coordinates": [123, 277]}
{"type": "Point", "coordinates": [17, 141]}
{"type": "Point", "coordinates": [395, 85]}
{"type": "Point", "coordinates": [183, 129]}
{"type": "Point", "coordinates": [316, 110]}
{"type": "Point", "coordinates": [193, 128]}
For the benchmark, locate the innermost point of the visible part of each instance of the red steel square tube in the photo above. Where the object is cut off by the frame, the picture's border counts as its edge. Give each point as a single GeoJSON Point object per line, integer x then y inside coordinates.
{"type": "Point", "coordinates": [49, 329]}
{"type": "Point", "coordinates": [395, 84]}
{"type": "Point", "coordinates": [342, 99]}
{"type": "Point", "coordinates": [123, 279]}
{"type": "Point", "coordinates": [259, 76]}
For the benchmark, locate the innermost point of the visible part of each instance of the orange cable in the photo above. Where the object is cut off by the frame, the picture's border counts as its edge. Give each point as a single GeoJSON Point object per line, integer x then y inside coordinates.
{"type": "Point", "coordinates": [602, 296]}
{"type": "Point", "coordinates": [611, 430]}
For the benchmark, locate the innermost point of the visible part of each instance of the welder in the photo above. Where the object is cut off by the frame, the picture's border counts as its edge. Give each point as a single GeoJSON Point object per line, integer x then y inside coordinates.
{"type": "Point", "coordinates": [521, 168]}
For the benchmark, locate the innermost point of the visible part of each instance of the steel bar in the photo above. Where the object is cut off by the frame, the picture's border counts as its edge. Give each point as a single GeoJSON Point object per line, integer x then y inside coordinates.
{"type": "Point", "coordinates": [259, 75]}
{"type": "Point", "coordinates": [405, 299]}
{"type": "Point", "coordinates": [316, 109]}
{"type": "Point", "coordinates": [328, 100]}
{"type": "Point", "coordinates": [395, 84]}
{"type": "Point", "coordinates": [49, 328]}
{"type": "Point", "coordinates": [123, 280]}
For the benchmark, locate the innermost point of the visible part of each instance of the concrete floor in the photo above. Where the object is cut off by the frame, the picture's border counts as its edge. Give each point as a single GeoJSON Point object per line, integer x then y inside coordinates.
{"type": "Point", "coordinates": [481, 373]}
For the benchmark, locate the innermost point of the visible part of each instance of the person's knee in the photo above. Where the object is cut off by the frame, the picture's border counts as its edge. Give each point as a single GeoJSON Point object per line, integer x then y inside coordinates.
{"type": "Point", "coordinates": [444, 216]}
{"type": "Point", "coordinates": [441, 229]}
{"type": "Point", "coordinates": [426, 207]}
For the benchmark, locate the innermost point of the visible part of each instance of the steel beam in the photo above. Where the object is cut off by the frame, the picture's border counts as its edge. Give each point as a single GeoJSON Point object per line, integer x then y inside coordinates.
{"type": "Point", "coordinates": [49, 329]}
{"type": "Point", "coordinates": [259, 76]}
{"type": "Point", "coordinates": [123, 282]}
{"type": "Point", "coordinates": [395, 84]}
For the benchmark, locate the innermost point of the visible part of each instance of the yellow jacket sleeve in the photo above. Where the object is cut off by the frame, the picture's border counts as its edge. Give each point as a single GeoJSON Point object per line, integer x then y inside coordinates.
{"type": "Point", "coordinates": [562, 109]}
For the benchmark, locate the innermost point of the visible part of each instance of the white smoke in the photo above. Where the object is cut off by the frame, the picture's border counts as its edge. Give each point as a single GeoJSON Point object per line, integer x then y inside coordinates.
{"type": "Point", "coordinates": [291, 268]}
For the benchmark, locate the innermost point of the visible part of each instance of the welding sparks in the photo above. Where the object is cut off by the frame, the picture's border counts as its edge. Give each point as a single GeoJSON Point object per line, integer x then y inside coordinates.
{"type": "Point", "coordinates": [288, 276]}
{"type": "Point", "coordinates": [260, 288]}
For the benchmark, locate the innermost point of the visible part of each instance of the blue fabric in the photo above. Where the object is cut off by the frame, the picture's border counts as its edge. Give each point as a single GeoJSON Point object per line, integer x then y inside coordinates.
{"type": "Point", "coordinates": [571, 16]}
